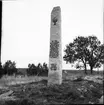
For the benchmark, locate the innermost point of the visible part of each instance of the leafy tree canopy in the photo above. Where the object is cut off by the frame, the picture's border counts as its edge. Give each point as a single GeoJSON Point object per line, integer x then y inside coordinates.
{"type": "Point", "coordinates": [87, 50]}
{"type": "Point", "coordinates": [9, 67]}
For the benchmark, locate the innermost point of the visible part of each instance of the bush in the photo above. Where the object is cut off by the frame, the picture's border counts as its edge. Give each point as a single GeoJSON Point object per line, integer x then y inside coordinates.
{"type": "Point", "coordinates": [9, 68]}
{"type": "Point", "coordinates": [40, 70]}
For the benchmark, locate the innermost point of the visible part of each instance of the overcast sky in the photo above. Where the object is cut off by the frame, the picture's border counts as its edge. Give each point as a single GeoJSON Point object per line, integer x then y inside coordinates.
{"type": "Point", "coordinates": [26, 27]}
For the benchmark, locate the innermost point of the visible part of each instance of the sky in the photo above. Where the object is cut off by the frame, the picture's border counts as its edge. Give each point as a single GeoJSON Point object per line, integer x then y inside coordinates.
{"type": "Point", "coordinates": [26, 27]}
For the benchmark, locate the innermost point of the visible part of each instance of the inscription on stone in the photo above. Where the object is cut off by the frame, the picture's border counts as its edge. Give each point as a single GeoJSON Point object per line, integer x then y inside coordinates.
{"type": "Point", "coordinates": [53, 66]}
{"type": "Point", "coordinates": [55, 20]}
{"type": "Point", "coordinates": [54, 49]}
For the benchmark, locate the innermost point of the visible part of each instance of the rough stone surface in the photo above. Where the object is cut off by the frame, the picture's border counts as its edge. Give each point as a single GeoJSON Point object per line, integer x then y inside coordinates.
{"type": "Point", "coordinates": [55, 56]}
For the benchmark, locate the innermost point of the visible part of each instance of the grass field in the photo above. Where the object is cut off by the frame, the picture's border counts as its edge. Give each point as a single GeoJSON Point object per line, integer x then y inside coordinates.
{"type": "Point", "coordinates": [74, 90]}
{"type": "Point", "coordinates": [12, 80]}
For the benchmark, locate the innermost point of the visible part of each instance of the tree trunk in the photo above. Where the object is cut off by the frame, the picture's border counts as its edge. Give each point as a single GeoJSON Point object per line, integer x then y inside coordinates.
{"type": "Point", "coordinates": [91, 68]}
{"type": "Point", "coordinates": [85, 69]}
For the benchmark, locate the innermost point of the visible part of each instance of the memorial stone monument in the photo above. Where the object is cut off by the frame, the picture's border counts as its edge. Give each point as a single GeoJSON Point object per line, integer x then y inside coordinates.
{"type": "Point", "coordinates": [55, 55]}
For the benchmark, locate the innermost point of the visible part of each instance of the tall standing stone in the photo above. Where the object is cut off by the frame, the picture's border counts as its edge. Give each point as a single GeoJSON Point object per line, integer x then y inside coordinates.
{"type": "Point", "coordinates": [55, 56]}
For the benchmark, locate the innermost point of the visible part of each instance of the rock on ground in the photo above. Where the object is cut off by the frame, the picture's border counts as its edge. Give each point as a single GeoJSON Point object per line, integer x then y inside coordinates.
{"type": "Point", "coordinates": [101, 100]}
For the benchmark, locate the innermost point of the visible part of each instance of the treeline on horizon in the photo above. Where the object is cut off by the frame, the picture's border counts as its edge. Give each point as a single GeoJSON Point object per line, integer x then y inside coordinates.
{"type": "Point", "coordinates": [9, 68]}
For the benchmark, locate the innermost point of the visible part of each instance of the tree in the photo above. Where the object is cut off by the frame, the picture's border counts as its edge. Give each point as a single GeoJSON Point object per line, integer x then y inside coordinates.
{"type": "Point", "coordinates": [39, 69]}
{"type": "Point", "coordinates": [31, 69]}
{"type": "Point", "coordinates": [1, 70]}
{"type": "Point", "coordinates": [10, 67]}
{"type": "Point", "coordinates": [45, 69]}
{"type": "Point", "coordinates": [96, 53]}
{"type": "Point", "coordinates": [87, 50]}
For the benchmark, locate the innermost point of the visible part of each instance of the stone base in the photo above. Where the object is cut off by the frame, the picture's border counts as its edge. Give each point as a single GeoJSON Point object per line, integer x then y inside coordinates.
{"type": "Point", "coordinates": [54, 78]}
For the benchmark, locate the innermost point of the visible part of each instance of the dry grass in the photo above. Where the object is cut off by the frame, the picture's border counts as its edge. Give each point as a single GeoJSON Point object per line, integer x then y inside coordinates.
{"type": "Point", "coordinates": [12, 80]}
{"type": "Point", "coordinates": [69, 92]}
{"type": "Point", "coordinates": [73, 90]}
